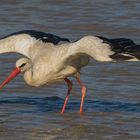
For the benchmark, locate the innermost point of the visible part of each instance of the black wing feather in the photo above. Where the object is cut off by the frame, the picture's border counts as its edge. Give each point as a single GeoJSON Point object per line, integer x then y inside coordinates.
{"type": "Point", "coordinates": [45, 37]}
{"type": "Point", "coordinates": [123, 46]}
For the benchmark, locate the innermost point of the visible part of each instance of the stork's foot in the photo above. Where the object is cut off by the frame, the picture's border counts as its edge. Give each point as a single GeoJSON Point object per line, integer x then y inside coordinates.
{"type": "Point", "coordinates": [69, 83]}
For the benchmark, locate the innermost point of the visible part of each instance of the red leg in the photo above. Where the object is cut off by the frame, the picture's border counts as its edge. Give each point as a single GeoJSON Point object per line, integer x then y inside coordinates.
{"type": "Point", "coordinates": [83, 90]}
{"type": "Point", "coordinates": [69, 83]}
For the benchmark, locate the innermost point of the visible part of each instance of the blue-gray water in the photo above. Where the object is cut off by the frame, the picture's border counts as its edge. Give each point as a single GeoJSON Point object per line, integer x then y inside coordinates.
{"type": "Point", "coordinates": [112, 105]}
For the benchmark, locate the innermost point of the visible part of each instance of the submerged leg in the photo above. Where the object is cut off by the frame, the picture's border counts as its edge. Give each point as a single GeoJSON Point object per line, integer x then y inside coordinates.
{"type": "Point", "coordinates": [83, 90]}
{"type": "Point", "coordinates": [69, 83]}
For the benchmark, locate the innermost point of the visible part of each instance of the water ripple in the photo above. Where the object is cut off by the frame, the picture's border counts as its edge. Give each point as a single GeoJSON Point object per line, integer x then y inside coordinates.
{"type": "Point", "coordinates": [55, 103]}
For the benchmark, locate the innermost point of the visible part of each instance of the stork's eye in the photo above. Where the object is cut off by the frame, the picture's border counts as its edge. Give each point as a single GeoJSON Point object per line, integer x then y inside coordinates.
{"type": "Point", "coordinates": [23, 65]}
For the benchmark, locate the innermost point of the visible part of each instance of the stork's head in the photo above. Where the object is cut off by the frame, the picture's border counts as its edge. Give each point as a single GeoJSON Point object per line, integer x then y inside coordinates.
{"type": "Point", "coordinates": [22, 65]}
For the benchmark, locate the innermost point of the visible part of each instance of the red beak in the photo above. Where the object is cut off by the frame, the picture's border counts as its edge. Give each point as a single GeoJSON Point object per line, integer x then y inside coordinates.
{"type": "Point", "coordinates": [13, 74]}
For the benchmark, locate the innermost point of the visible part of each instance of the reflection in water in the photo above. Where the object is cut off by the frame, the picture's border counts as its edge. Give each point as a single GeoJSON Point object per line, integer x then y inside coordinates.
{"type": "Point", "coordinates": [112, 107]}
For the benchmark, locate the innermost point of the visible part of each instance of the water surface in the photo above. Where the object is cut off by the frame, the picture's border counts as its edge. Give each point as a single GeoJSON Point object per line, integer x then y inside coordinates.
{"type": "Point", "coordinates": [112, 105]}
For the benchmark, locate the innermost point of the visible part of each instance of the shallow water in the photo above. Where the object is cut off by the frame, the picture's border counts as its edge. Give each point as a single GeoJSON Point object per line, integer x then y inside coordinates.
{"type": "Point", "coordinates": [112, 105]}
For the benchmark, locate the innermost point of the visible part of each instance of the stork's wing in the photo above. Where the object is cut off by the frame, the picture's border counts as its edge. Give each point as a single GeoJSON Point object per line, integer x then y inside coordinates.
{"type": "Point", "coordinates": [38, 35]}
{"type": "Point", "coordinates": [103, 49]}
{"type": "Point", "coordinates": [22, 41]}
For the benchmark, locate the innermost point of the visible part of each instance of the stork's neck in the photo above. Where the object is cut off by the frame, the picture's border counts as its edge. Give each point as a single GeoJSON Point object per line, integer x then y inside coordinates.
{"type": "Point", "coordinates": [28, 77]}
{"type": "Point", "coordinates": [19, 43]}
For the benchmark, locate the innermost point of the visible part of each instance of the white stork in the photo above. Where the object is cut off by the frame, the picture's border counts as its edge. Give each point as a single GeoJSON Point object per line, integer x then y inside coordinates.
{"type": "Point", "coordinates": [47, 62]}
